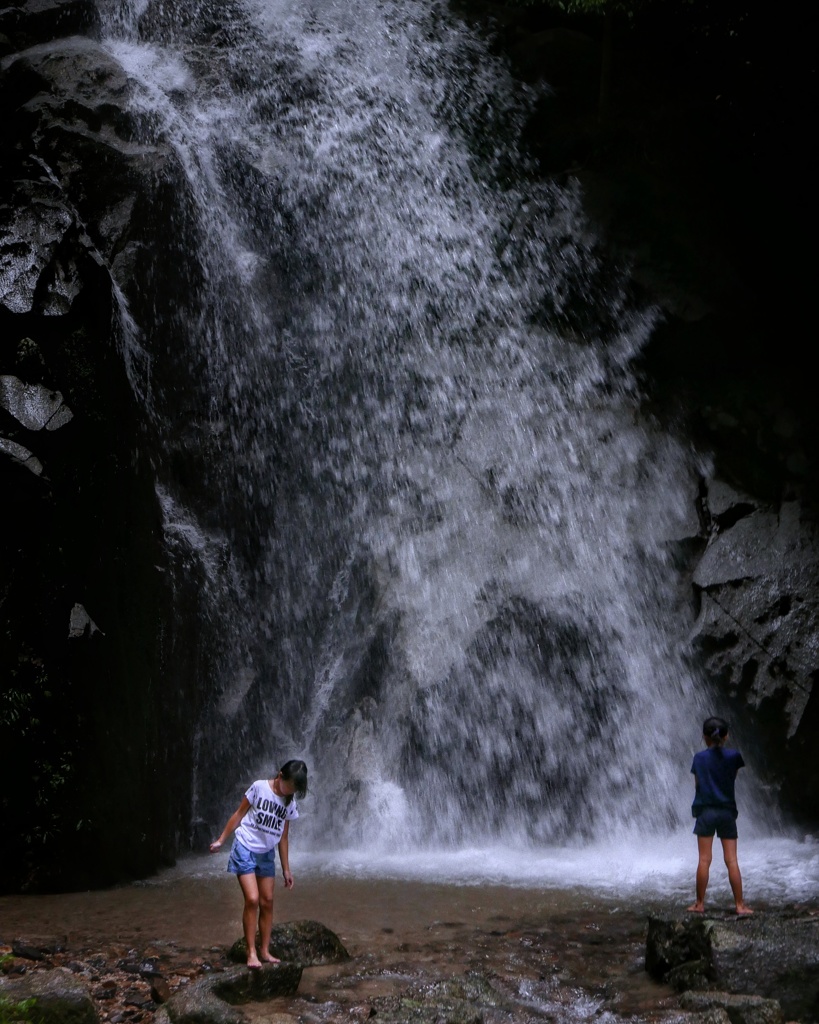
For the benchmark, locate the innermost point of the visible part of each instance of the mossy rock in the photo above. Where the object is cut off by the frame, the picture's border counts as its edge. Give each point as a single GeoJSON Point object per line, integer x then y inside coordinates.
{"type": "Point", "coordinates": [60, 998]}
{"type": "Point", "coordinates": [308, 943]}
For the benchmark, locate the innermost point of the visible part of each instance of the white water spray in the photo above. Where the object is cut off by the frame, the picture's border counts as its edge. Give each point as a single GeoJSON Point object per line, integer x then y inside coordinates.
{"type": "Point", "coordinates": [451, 585]}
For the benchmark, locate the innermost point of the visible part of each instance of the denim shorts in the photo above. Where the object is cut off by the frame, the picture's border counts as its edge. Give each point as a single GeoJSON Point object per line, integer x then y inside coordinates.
{"type": "Point", "coordinates": [244, 862]}
{"type": "Point", "coordinates": [721, 820]}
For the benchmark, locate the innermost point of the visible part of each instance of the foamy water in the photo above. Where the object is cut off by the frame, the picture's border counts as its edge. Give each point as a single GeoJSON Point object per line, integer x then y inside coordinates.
{"type": "Point", "coordinates": [779, 869]}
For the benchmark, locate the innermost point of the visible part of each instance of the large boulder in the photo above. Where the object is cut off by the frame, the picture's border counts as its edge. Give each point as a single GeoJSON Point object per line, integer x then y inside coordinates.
{"type": "Point", "coordinates": [308, 943]}
{"type": "Point", "coordinates": [775, 956]}
{"type": "Point", "coordinates": [61, 998]}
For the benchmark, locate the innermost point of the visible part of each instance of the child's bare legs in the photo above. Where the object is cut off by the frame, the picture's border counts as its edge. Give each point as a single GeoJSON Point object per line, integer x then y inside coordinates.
{"type": "Point", "coordinates": [250, 891]}
{"type": "Point", "coordinates": [704, 846]}
{"type": "Point", "coordinates": [266, 919]}
{"type": "Point", "coordinates": [258, 894]}
{"type": "Point", "coordinates": [729, 852]}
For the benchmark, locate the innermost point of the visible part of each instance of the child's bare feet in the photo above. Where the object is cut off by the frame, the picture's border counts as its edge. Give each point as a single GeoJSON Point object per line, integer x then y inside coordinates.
{"type": "Point", "coordinates": [268, 959]}
{"type": "Point", "coordinates": [253, 961]}
{"type": "Point", "coordinates": [696, 908]}
{"type": "Point", "coordinates": [743, 910]}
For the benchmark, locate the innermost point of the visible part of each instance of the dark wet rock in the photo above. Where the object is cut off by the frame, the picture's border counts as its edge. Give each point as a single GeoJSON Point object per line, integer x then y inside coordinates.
{"type": "Point", "coordinates": [308, 943]}
{"type": "Point", "coordinates": [21, 456]}
{"type": "Point", "coordinates": [715, 1015]}
{"type": "Point", "coordinates": [34, 406]}
{"type": "Point", "coordinates": [212, 999]}
{"type": "Point", "coordinates": [740, 1009]}
{"type": "Point", "coordinates": [160, 990]}
{"type": "Point", "coordinates": [70, 101]}
{"type": "Point", "coordinates": [39, 21]}
{"type": "Point", "coordinates": [757, 629]}
{"type": "Point", "coordinates": [775, 956]}
{"type": "Point", "coordinates": [26, 950]}
{"type": "Point", "coordinates": [37, 948]}
{"type": "Point", "coordinates": [36, 229]}
{"type": "Point", "coordinates": [61, 997]}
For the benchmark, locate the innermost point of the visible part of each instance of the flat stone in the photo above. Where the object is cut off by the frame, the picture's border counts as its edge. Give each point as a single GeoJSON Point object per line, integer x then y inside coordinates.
{"type": "Point", "coordinates": [80, 624]}
{"type": "Point", "coordinates": [21, 455]}
{"type": "Point", "coordinates": [740, 1009]}
{"type": "Point", "coordinates": [34, 406]}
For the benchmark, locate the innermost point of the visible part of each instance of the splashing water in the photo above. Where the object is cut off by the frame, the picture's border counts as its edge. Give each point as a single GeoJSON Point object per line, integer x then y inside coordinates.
{"type": "Point", "coordinates": [447, 576]}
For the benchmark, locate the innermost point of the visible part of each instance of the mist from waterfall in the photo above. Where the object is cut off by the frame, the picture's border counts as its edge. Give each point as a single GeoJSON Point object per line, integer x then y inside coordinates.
{"type": "Point", "coordinates": [434, 533]}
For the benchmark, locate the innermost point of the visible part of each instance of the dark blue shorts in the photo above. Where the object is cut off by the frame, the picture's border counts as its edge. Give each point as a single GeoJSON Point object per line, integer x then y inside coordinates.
{"type": "Point", "coordinates": [721, 820]}
{"type": "Point", "coordinates": [244, 862]}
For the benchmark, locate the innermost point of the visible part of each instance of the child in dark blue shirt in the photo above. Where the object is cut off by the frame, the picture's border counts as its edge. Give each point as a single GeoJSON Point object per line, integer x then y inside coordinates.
{"type": "Point", "coordinates": [715, 771]}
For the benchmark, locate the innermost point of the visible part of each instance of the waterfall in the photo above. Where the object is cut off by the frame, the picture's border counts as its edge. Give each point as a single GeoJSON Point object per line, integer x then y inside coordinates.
{"type": "Point", "coordinates": [403, 453]}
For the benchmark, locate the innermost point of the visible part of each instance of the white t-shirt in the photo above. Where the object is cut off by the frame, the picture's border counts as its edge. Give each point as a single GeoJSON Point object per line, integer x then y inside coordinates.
{"type": "Point", "coordinates": [261, 828]}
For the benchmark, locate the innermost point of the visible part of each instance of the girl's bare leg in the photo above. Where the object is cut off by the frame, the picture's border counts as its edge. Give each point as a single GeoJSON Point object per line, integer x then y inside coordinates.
{"type": "Point", "coordinates": [704, 846]}
{"type": "Point", "coordinates": [266, 919]}
{"type": "Point", "coordinates": [250, 891]}
{"type": "Point", "coordinates": [729, 852]}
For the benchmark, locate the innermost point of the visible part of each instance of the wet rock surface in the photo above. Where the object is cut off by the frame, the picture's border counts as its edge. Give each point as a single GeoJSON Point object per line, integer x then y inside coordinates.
{"type": "Point", "coordinates": [213, 998]}
{"type": "Point", "coordinates": [737, 1009]}
{"type": "Point", "coordinates": [770, 955]}
{"type": "Point", "coordinates": [79, 526]}
{"type": "Point", "coordinates": [308, 943]}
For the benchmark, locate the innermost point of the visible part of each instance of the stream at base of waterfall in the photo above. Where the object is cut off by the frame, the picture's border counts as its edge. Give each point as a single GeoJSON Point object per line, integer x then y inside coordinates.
{"type": "Point", "coordinates": [559, 933]}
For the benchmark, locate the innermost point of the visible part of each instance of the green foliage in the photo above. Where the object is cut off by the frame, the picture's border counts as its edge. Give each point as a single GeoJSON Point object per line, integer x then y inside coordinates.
{"type": "Point", "coordinates": [12, 1011]}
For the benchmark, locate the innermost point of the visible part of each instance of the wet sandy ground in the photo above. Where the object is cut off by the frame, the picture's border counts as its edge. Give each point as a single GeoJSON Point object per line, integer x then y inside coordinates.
{"type": "Point", "coordinates": [555, 953]}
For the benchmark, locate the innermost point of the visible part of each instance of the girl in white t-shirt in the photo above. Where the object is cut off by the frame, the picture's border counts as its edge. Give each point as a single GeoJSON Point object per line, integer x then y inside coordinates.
{"type": "Point", "coordinates": [261, 823]}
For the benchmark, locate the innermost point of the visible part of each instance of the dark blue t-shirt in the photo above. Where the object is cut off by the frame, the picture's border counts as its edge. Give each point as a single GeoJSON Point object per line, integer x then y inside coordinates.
{"type": "Point", "coordinates": [715, 770]}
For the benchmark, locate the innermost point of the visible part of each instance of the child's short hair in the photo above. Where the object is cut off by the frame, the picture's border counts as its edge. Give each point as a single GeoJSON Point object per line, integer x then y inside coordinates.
{"type": "Point", "coordinates": [715, 729]}
{"type": "Point", "coordinates": [295, 772]}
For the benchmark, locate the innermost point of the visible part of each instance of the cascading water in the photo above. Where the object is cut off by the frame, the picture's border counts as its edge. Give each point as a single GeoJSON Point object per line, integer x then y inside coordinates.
{"type": "Point", "coordinates": [432, 529]}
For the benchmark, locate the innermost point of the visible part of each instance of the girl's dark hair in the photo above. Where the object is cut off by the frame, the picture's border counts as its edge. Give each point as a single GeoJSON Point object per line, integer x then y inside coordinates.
{"type": "Point", "coordinates": [715, 730]}
{"type": "Point", "coordinates": [295, 772]}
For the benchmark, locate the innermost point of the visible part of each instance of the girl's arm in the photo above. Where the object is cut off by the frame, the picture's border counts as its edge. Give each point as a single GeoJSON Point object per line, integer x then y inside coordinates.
{"type": "Point", "coordinates": [233, 822]}
{"type": "Point", "coordinates": [284, 854]}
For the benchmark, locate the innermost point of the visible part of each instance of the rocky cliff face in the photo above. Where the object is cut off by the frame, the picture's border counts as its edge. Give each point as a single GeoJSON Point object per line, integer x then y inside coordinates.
{"type": "Point", "coordinates": [90, 725]}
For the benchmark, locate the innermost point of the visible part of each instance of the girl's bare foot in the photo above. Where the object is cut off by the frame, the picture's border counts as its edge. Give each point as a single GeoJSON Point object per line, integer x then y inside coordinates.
{"type": "Point", "coordinates": [253, 961]}
{"type": "Point", "coordinates": [697, 908]}
{"type": "Point", "coordinates": [743, 910]}
{"type": "Point", "coordinates": [268, 959]}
